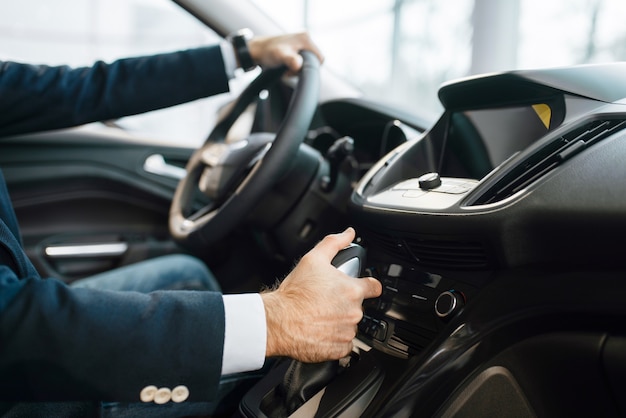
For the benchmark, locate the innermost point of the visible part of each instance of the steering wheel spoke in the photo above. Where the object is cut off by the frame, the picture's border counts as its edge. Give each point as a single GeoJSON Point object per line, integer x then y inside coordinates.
{"type": "Point", "coordinates": [227, 164]}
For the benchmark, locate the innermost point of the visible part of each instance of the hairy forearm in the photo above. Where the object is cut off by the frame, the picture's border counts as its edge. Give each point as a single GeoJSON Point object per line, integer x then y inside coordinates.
{"type": "Point", "coordinates": [295, 333]}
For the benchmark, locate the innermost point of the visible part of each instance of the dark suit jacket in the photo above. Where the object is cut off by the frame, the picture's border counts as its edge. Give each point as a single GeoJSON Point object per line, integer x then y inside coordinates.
{"type": "Point", "coordinates": [37, 97]}
{"type": "Point", "coordinates": [62, 343]}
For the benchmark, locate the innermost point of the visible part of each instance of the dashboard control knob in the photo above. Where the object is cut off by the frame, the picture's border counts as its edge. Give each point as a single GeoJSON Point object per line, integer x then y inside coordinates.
{"type": "Point", "coordinates": [429, 181]}
{"type": "Point", "coordinates": [448, 303]}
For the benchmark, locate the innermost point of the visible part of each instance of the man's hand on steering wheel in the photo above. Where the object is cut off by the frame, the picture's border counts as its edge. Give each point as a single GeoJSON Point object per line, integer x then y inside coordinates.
{"type": "Point", "coordinates": [274, 51]}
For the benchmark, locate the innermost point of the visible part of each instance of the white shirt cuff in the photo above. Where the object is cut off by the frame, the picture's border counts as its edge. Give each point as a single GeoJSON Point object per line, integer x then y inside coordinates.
{"type": "Point", "coordinates": [245, 337]}
{"type": "Point", "coordinates": [230, 61]}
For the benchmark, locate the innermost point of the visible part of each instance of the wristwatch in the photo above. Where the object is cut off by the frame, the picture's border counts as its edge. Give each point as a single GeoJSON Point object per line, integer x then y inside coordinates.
{"type": "Point", "coordinates": [239, 41]}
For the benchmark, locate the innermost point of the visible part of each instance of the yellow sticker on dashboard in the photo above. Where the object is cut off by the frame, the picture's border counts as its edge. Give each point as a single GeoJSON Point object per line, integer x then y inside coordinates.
{"type": "Point", "coordinates": [544, 112]}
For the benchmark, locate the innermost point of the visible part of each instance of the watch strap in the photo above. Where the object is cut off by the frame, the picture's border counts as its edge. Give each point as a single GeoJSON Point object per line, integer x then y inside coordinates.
{"type": "Point", "coordinates": [239, 41]}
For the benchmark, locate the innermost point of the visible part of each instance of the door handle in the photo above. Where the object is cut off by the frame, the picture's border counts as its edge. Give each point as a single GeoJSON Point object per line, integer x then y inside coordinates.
{"type": "Point", "coordinates": [156, 164]}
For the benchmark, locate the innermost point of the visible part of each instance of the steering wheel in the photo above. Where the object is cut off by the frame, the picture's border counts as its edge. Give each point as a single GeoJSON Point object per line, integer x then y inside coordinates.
{"type": "Point", "coordinates": [235, 176]}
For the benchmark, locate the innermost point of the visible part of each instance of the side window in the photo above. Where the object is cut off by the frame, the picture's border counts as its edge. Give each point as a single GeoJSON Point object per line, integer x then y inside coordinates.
{"type": "Point", "coordinates": [416, 45]}
{"type": "Point", "coordinates": [79, 32]}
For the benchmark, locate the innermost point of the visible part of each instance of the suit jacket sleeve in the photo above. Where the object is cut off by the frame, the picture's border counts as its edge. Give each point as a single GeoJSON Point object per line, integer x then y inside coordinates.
{"type": "Point", "coordinates": [40, 97]}
{"type": "Point", "coordinates": [61, 343]}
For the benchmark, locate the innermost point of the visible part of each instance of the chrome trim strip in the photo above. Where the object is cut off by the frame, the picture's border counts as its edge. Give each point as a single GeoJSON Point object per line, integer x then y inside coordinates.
{"type": "Point", "coordinates": [87, 250]}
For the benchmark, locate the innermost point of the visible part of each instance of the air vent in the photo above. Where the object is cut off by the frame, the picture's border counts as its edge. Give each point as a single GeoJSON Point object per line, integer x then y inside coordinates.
{"type": "Point", "coordinates": [549, 157]}
{"type": "Point", "coordinates": [451, 255]}
{"type": "Point", "coordinates": [410, 339]}
{"type": "Point", "coordinates": [467, 255]}
{"type": "Point", "coordinates": [389, 244]}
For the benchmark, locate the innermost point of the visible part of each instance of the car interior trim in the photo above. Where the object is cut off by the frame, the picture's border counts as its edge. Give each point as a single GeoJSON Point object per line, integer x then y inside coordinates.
{"type": "Point", "coordinates": [89, 250]}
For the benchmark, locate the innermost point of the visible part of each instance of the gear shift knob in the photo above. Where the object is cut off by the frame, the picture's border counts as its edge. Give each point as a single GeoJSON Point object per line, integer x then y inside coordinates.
{"type": "Point", "coordinates": [303, 380]}
{"type": "Point", "coordinates": [350, 260]}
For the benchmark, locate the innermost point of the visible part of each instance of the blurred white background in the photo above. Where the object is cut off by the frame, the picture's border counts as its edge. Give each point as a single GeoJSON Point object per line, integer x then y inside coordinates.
{"type": "Point", "coordinates": [405, 49]}
{"type": "Point", "coordinates": [396, 51]}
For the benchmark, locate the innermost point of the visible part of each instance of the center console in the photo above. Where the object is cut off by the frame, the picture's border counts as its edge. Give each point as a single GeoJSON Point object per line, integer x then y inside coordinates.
{"type": "Point", "coordinates": [332, 388]}
{"type": "Point", "coordinates": [491, 189]}
{"type": "Point", "coordinates": [323, 390]}
{"type": "Point", "coordinates": [415, 305]}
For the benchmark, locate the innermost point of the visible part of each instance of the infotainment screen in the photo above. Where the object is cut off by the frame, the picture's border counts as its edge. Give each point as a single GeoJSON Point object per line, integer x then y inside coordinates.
{"type": "Point", "coordinates": [476, 141]}
{"type": "Point", "coordinates": [467, 144]}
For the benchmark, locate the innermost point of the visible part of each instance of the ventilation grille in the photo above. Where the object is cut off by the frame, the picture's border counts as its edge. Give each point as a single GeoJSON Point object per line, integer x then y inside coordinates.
{"type": "Point", "coordinates": [443, 254]}
{"type": "Point", "coordinates": [549, 157]}
{"type": "Point", "coordinates": [454, 255]}
{"type": "Point", "coordinates": [410, 339]}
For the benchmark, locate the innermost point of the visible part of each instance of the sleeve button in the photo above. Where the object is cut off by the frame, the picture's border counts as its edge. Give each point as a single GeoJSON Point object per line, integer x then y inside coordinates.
{"type": "Point", "coordinates": [162, 396]}
{"type": "Point", "coordinates": [180, 394]}
{"type": "Point", "coordinates": [147, 393]}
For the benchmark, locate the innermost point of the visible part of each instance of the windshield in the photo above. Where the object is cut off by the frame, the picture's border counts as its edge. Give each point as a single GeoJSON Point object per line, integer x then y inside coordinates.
{"type": "Point", "coordinates": [400, 51]}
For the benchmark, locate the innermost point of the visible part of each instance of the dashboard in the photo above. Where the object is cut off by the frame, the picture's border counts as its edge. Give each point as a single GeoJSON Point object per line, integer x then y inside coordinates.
{"type": "Point", "coordinates": [508, 178]}
{"type": "Point", "coordinates": [497, 234]}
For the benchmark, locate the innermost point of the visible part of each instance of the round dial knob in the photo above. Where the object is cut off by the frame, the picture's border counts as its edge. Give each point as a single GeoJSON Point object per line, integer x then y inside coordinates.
{"type": "Point", "coordinates": [448, 303]}
{"type": "Point", "coordinates": [429, 181]}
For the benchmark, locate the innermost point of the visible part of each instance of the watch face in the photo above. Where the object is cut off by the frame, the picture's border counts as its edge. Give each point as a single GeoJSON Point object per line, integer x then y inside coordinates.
{"type": "Point", "coordinates": [246, 33]}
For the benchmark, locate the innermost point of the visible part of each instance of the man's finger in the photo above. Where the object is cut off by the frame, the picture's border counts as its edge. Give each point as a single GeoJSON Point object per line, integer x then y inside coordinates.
{"type": "Point", "coordinates": [371, 287]}
{"type": "Point", "coordinates": [332, 244]}
{"type": "Point", "coordinates": [309, 45]}
{"type": "Point", "coordinates": [293, 62]}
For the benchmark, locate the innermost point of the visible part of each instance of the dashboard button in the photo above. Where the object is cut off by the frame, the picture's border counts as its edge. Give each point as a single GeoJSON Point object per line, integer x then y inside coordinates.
{"type": "Point", "coordinates": [448, 303]}
{"type": "Point", "coordinates": [381, 331]}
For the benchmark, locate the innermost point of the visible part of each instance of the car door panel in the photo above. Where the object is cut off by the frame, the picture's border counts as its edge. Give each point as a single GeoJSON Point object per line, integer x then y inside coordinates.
{"type": "Point", "coordinates": [87, 202]}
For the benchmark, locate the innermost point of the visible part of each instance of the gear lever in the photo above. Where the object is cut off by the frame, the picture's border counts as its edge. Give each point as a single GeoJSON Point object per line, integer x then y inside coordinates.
{"type": "Point", "coordinates": [350, 260]}
{"type": "Point", "coordinates": [303, 380]}
{"type": "Point", "coordinates": [336, 155]}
